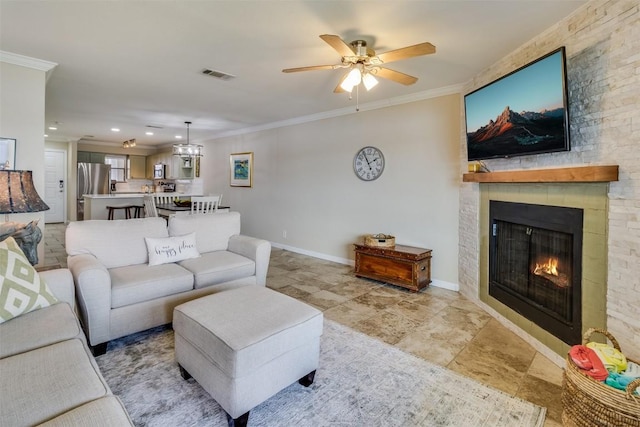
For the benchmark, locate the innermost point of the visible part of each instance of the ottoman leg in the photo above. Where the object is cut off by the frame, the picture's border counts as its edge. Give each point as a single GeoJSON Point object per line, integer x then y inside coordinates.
{"type": "Point", "coordinates": [241, 421]}
{"type": "Point", "coordinates": [307, 380]}
{"type": "Point", "coordinates": [183, 372]}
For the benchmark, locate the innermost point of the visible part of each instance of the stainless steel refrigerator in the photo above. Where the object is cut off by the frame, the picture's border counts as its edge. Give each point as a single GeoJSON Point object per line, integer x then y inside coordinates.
{"type": "Point", "coordinates": [93, 178]}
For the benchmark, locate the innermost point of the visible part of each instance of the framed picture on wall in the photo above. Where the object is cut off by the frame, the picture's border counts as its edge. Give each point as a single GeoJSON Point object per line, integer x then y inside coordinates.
{"type": "Point", "coordinates": [241, 169]}
{"type": "Point", "coordinates": [7, 153]}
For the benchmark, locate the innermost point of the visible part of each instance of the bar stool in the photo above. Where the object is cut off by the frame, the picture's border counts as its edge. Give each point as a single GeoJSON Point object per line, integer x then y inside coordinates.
{"type": "Point", "coordinates": [127, 211]}
{"type": "Point", "coordinates": [137, 210]}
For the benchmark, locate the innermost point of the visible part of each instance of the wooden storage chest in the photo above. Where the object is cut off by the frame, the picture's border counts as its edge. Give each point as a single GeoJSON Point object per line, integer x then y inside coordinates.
{"type": "Point", "coordinates": [405, 266]}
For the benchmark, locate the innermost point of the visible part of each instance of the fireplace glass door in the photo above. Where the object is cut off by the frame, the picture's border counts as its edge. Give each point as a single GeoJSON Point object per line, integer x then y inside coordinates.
{"type": "Point", "coordinates": [536, 264]}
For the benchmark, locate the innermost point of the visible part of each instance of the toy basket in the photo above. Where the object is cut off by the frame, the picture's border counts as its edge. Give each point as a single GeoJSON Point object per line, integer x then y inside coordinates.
{"type": "Point", "coordinates": [379, 240]}
{"type": "Point", "coordinates": [588, 403]}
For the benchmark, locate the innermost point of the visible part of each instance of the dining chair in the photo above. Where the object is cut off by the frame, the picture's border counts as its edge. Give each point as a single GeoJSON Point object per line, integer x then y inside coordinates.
{"type": "Point", "coordinates": [206, 204]}
{"type": "Point", "coordinates": [164, 199]}
{"type": "Point", "coordinates": [150, 206]}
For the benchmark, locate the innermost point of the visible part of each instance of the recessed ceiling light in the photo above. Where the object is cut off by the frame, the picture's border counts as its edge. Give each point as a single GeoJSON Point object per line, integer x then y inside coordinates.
{"type": "Point", "coordinates": [46, 136]}
{"type": "Point", "coordinates": [178, 136]}
{"type": "Point", "coordinates": [53, 128]}
{"type": "Point", "coordinates": [115, 130]}
{"type": "Point", "coordinates": [148, 133]}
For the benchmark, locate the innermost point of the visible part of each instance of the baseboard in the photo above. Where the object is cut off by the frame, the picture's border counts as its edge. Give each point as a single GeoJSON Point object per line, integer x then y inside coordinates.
{"type": "Point", "coordinates": [445, 285]}
{"type": "Point", "coordinates": [319, 255]}
{"type": "Point", "coordinates": [434, 282]}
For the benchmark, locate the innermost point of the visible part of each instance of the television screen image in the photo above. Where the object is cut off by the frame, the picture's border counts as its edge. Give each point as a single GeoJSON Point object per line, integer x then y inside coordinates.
{"type": "Point", "coordinates": [524, 112]}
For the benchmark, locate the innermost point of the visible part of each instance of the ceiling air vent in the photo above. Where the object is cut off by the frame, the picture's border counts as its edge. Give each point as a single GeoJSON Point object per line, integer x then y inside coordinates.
{"type": "Point", "coordinates": [218, 74]}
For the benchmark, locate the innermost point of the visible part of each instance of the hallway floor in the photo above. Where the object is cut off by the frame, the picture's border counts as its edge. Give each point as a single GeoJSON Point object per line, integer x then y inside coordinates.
{"type": "Point", "coordinates": [437, 325]}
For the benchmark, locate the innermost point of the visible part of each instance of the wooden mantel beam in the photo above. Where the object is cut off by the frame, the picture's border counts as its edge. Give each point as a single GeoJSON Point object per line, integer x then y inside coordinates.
{"type": "Point", "coordinates": [574, 174]}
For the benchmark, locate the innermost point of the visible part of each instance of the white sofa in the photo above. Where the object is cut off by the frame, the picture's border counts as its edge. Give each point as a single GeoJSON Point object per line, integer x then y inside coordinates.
{"type": "Point", "coordinates": [119, 293]}
{"type": "Point", "coordinates": [48, 374]}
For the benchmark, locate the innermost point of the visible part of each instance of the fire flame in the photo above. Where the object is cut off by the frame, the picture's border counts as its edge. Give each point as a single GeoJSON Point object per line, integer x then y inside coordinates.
{"type": "Point", "coordinates": [550, 267]}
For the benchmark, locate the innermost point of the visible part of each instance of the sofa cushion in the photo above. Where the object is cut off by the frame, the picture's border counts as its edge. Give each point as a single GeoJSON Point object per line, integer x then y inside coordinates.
{"type": "Point", "coordinates": [115, 243]}
{"type": "Point", "coordinates": [48, 381]}
{"type": "Point", "coordinates": [171, 249]}
{"type": "Point", "coordinates": [107, 411]}
{"type": "Point", "coordinates": [38, 329]}
{"type": "Point", "coordinates": [21, 289]}
{"type": "Point", "coordinates": [212, 230]}
{"type": "Point", "coordinates": [137, 283]}
{"type": "Point", "coordinates": [218, 267]}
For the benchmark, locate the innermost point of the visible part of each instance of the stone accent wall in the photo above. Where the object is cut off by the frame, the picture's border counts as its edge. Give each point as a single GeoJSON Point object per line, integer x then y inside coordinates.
{"type": "Point", "coordinates": [602, 41]}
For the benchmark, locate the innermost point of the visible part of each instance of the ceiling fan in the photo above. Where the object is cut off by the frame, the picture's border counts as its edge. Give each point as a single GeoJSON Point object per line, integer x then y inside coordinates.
{"type": "Point", "coordinates": [365, 65]}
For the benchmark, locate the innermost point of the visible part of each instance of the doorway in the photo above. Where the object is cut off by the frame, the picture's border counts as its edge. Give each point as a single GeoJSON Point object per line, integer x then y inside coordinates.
{"type": "Point", "coordinates": [55, 190]}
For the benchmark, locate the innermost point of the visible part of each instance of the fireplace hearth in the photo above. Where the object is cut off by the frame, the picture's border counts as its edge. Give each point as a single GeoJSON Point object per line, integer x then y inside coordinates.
{"type": "Point", "coordinates": [535, 264]}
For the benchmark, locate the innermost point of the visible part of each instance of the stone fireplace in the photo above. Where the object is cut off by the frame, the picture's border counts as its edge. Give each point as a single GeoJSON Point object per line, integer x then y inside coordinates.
{"type": "Point", "coordinates": [535, 264]}
{"type": "Point", "coordinates": [588, 273]}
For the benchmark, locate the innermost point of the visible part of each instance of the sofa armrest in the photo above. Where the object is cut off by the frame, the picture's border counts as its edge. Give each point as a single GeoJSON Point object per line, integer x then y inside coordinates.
{"type": "Point", "coordinates": [93, 290]}
{"type": "Point", "coordinates": [60, 281]}
{"type": "Point", "coordinates": [258, 250]}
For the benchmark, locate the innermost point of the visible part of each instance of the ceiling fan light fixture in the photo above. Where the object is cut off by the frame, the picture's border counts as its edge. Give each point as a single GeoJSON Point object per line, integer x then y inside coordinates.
{"type": "Point", "coordinates": [346, 86]}
{"type": "Point", "coordinates": [352, 80]}
{"type": "Point", "coordinates": [369, 81]}
{"type": "Point", "coordinates": [129, 144]}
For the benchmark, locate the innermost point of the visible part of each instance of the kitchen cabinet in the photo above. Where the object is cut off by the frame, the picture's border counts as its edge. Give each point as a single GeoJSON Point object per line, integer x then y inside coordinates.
{"type": "Point", "coordinates": [84, 157]}
{"type": "Point", "coordinates": [137, 167]}
{"type": "Point", "coordinates": [183, 167]}
{"type": "Point", "coordinates": [177, 167]}
{"type": "Point", "coordinates": [89, 157]}
{"type": "Point", "coordinates": [97, 157]}
{"type": "Point", "coordinates": [158, 158]}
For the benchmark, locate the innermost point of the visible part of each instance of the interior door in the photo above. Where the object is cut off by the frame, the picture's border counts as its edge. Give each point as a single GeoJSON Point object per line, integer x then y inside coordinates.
{"type": "Point", "coordinates": [55, 189]}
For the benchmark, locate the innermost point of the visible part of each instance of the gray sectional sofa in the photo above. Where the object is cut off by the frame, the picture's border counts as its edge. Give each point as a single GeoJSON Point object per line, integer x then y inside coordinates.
{"type": "Point", "coordinates": [128, 278]}
{"type": "Point", "coordinates": [48, 375]}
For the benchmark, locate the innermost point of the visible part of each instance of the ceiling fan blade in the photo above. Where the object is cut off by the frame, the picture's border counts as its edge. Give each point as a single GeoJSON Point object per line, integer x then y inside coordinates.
{"type": "Point", "coordinates": [396, 76]}
{"type": "Point", "coordinates": [407, 52]}
{"type": "Point", "coordinates": [313, 67]}
{"type": "Point", "coordinates": [338, 44]}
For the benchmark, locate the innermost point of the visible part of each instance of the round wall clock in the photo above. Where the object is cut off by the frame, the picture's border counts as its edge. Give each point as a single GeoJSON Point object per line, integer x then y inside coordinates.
{"type": "Point", "coordinates": [368, 163]}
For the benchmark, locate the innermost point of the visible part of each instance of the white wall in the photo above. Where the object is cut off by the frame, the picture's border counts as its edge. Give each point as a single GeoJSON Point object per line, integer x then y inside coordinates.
{"type": "Point", "coordinates": [22, 92]}
{"type": "Point", "coordinates": [304, 182]}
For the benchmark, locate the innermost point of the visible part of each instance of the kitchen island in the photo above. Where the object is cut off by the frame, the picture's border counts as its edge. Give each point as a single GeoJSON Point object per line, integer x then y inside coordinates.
{"type": "Point", "coordinates": [95, 205]}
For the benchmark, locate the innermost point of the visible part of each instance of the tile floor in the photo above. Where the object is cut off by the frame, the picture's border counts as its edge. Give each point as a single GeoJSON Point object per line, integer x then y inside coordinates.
{"type": "Point", "coordinates": [437, 325]}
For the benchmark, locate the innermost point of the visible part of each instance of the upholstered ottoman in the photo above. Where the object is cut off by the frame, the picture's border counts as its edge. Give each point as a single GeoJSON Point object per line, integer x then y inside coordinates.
{"type": "Point", "coordinates": [246, 344]}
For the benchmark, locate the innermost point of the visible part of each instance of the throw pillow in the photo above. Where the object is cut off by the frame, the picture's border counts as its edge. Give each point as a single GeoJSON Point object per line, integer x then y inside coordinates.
{"type": "Point", "coordinates": [21, 289]}
{"type": "Point", "coordinates": [171, 249]}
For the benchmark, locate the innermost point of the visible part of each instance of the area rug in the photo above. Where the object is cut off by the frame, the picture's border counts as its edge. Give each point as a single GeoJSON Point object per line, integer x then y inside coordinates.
{"type": "Point", "coordinates": [360, 382]}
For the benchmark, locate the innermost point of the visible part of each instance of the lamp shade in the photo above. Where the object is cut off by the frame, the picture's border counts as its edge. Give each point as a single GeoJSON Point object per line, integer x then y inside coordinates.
{"type": "Point", "coordinates": [369, 81]}
{"type": "Point", "coordinates": [18, 194]}
{"type": "Point", "coordinates": [354, 77]}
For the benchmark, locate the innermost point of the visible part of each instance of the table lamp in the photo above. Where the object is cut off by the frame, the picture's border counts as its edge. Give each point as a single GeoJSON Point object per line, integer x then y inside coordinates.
{"type": "Point", "coordinates": [18, 195]}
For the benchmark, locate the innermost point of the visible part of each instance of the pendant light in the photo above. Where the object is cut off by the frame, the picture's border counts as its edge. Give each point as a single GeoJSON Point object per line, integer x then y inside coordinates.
{"type": "Point", "coordinates": [187, 150]}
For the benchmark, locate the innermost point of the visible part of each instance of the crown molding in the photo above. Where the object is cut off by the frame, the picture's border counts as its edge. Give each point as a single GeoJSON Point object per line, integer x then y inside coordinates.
{"type": "Point", "coordinates": [418, 96]}
{"type": "Point", "coordinates": [28, 62]}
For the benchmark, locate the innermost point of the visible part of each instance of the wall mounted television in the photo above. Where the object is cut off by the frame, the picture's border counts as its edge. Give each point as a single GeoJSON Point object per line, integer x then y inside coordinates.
{"type": "Point", "coordinates": [522, 113]}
